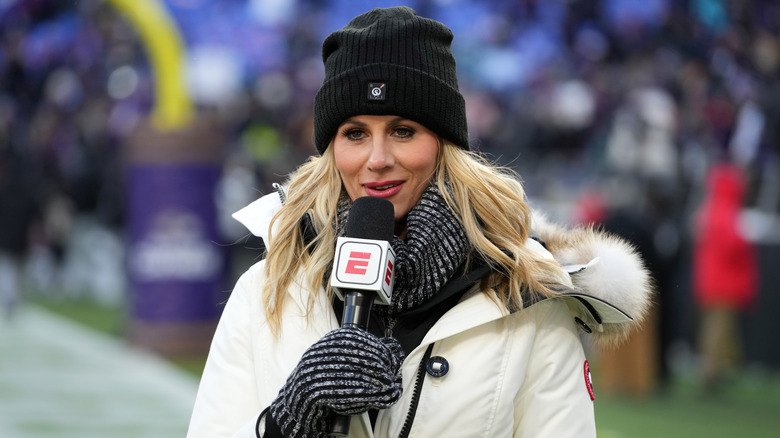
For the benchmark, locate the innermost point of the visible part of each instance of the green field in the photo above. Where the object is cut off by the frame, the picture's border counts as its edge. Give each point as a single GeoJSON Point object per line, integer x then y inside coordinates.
{"type": "Point", "coordinates": [749, 407]}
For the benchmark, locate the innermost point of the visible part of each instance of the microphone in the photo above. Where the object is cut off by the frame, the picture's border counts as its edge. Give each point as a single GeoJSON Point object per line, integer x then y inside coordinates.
{"type": "Point", "coordinates": [364, 261]}
{"type": "Point", "coordinates": [363, 270]}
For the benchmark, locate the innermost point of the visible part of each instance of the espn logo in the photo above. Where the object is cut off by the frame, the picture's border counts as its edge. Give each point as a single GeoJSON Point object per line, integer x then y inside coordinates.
{"type": "Point", "coordinates": [363, 264]}
{"type": "Point", "coordinates": [357, 263]}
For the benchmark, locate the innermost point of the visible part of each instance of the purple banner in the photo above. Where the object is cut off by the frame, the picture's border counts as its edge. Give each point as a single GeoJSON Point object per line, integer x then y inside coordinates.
{"type": "Point", "coordinates": [175, 268]}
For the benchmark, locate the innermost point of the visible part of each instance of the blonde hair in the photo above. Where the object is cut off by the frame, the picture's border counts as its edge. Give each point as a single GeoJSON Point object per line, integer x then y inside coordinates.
{"type": "Point", "coordinates": [489, 200]}
{"type": "Point", "coordinates": [491, 203]}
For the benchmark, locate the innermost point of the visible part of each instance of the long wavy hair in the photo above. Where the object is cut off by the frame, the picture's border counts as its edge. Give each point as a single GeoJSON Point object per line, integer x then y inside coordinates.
{"type": "Point", "coordinates": [489, 200]}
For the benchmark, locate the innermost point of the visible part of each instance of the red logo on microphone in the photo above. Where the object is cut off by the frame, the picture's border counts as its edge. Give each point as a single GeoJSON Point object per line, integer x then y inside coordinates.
{"type": "Point", "coordinates": [389, 273]}
{"type": "Point", "coordinates": [357, 263]}
{"type": "Point", "coordinates": [364, 264]}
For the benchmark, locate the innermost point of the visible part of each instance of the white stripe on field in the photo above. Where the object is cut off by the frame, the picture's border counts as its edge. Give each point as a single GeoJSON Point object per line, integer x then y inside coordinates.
{"type": "Point", "coordinates": [59, 379]}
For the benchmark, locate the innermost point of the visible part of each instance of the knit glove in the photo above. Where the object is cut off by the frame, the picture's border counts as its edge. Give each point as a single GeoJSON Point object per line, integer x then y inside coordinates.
{"type": "Point", "coordinates": [347, 372]}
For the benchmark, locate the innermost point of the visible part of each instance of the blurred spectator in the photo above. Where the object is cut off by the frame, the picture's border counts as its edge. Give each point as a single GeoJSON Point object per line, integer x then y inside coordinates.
{"type": "Point", "coordinates": [767, 61]}
{"type": "Point", "coordinates": [18, 211]}
{"type": "Point", "coordinates": [725, 275]}
{"type": "Point", "coordinates": [643, 214]}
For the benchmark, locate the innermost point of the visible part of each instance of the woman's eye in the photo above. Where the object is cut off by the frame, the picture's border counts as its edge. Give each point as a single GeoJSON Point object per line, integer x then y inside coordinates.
{"type": "Point", "coordinates": [403, 132]}
{"type": "Point", "coordinates": [353, 134]}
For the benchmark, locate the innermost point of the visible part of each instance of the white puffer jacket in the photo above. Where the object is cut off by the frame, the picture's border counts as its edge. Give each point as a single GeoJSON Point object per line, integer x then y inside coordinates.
{"type": "Point", "coordinates": [491, 374]}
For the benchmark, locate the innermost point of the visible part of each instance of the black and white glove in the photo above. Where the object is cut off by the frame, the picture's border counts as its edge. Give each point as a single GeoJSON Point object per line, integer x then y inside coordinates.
{"type": "Point", "coordinates": [347, 372]}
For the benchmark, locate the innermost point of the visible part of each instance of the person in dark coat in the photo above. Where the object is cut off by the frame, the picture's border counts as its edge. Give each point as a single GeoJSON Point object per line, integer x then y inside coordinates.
{"type": "Point", "coordinates": [18, 210]}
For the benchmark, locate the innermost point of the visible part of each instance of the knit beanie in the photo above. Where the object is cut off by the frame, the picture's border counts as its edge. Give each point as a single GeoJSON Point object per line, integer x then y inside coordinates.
{"type": "Point", "coordinates": [390, 62]}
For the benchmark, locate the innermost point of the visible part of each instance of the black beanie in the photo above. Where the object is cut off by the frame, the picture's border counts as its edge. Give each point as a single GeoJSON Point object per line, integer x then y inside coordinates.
{"type": "Point", "coordinates": [390, 62]}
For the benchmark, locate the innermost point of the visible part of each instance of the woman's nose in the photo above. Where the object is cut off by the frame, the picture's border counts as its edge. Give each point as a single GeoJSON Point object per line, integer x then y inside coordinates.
{"type": "Point", "coordinates": [381, 154]}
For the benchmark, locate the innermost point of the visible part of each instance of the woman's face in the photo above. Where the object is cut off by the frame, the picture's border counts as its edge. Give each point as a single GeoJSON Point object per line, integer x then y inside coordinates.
{"type": "Point", "coordinates": [386, 156]}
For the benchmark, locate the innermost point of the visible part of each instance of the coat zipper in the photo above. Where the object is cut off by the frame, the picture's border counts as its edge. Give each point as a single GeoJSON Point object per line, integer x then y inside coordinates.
{"type": "Point", "coordinates": [418, 383]}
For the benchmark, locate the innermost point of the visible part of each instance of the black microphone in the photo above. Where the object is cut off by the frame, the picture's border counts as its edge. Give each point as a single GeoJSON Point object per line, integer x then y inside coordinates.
{"type": "Point", "coordinates": [363, 269]}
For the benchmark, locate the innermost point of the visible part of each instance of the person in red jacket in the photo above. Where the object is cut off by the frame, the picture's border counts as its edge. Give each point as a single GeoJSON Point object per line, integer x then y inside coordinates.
{"type": "Point", "coordinates": [725, 273]}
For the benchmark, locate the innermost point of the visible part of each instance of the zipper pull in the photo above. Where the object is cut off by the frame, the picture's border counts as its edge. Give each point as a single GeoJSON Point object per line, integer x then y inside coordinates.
{"type": "Point", "coordinates": [280, 190]}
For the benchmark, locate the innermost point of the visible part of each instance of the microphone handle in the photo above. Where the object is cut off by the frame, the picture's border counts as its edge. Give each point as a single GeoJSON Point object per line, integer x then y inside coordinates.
{"type": "Point", "coordinates": [339, 425]}
{"type": "Point", "coordinates": [357, 311]}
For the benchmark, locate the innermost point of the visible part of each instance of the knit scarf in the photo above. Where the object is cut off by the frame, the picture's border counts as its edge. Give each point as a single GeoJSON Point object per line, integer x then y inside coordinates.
{"type": "Point", "coordinates": [434, 248]}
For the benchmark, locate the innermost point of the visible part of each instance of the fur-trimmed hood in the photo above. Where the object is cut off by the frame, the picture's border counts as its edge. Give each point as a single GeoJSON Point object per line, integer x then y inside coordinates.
{"type": "Point", "coordinates": [612, 288]}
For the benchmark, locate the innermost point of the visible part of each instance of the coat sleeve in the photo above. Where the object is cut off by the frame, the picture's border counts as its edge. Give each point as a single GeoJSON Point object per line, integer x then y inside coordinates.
{"type": "Point", "coordinates": [227, 403]}
{"type": "Point", "coordinates": [555, 401]}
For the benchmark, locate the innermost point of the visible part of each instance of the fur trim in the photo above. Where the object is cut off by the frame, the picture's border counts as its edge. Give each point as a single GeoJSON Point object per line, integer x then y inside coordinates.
{"type": "Point", "coordinates": [609, 268]}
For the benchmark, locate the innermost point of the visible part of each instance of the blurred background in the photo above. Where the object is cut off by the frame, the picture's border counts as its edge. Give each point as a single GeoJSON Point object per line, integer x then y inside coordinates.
{"type": "Point", "coordinates": [131, 130]}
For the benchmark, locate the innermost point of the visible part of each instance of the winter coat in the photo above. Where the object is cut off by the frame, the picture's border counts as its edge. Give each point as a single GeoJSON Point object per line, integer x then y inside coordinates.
{"type": "Point", "coordinates": [479, 371]}
{"type": "Point", "coordinates": [725, 266]}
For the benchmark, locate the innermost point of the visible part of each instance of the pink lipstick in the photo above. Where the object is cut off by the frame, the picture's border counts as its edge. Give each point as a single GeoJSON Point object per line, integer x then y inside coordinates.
{"type": "Point", "coordinates": [383, 189]}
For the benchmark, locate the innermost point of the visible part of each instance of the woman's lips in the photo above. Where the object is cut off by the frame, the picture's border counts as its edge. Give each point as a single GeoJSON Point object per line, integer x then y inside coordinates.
{"type": "Point", "coordinates": [383, 189]}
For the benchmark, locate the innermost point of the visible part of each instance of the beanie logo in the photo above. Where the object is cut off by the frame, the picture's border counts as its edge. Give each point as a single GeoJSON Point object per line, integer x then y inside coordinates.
{"type": "Point", "coordinates": [377, 91]}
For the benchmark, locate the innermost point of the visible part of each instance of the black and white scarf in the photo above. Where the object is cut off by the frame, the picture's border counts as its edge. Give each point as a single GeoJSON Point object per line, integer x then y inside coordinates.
{"type": "Point", "coordinates": [434, 248]}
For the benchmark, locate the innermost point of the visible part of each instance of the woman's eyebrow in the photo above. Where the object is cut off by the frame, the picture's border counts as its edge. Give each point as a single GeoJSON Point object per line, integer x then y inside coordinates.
{"type": "Point", "coordinates": [362, 124]}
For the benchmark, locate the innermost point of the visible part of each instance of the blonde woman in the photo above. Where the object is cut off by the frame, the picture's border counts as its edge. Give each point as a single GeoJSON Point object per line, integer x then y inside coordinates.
{"type": "Point", "coordinates": [482, 336]}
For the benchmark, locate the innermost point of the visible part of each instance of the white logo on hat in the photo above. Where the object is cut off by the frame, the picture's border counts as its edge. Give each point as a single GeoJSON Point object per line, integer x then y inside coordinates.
{"type": "Point", "coordinates": [376, 91]}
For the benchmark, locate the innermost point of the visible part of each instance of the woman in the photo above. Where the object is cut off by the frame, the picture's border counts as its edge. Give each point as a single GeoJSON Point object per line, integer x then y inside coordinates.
{"type": "Point", "coordinates": [482, 335]}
